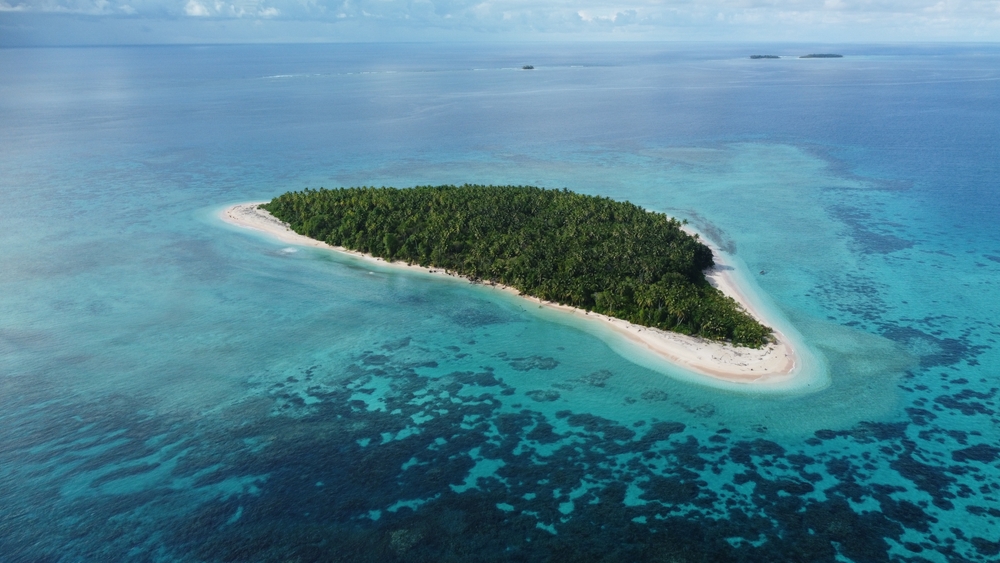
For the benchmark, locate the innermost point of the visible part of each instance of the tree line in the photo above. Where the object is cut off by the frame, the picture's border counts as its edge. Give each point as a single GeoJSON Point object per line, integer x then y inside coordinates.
{"type": "Point", "coordinates": [589, 252]}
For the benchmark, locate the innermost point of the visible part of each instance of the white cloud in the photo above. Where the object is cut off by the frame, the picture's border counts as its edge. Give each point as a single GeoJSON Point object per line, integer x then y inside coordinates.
{"type": "Point", "coordinates": [765, 20]}
{"type": "Point", "coordinates": [195, 8]}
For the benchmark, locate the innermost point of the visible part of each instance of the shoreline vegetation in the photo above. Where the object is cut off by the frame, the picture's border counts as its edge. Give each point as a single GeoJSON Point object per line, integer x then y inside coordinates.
{"type": "Point", "coordinates": [672, 281]}
{"type": "Point", "coordinates": [588, 252]}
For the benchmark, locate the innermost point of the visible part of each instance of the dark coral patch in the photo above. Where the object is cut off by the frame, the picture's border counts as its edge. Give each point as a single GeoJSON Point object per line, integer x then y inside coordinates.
{"type": "Point", "coordinates": [933, 350]}
{"type": "Point", "coordinates": [982, 453]}
{"type": "Point", "coordinates": [533, 362]}
{"type": "Point", "coordinates": [964, 402]}
{"type": "Point", "coordinates": [543, 395]}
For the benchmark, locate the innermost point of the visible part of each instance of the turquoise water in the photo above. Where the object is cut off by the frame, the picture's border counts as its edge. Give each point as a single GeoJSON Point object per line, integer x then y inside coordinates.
{"type": "Point", "coordinates": [174, 389]}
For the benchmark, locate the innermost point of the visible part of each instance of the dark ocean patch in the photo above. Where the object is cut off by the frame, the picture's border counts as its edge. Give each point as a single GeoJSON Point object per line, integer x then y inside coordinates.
{"type": "Point", "coordinates": [868, 234]}
{"type": "Point", "coordinates": [932, 350]}
{"type": "Point", "coordinates": [397, 344]}
{"type": "Point", "coordinates": [919, 416]}
{"type": "Point", "coordinates": [595, 379]}
{"type": "Point", "coordinates": [717, 236]}
{"type": "Point", "coordinates": [660, 432]}
{"type": "Point", "coordinates": [543, 395]}
{"type": "Point", "coordinates": [532, 362]}
{"type": "Point", "coordinates": [931, 479]}
{"type": "Point", "coordinates": [484, 314]}
{"type": "Point", "coordinates": [482, 379]}
{"type": "Point", "coordinates": [858, 296]}
{"type": "Point", "coordinates": [654, 395]}
{"type": "Point", "coordinates": [986, 547]}
{"type": "Point", "coordinates": [969, 402]}
{"type": "Point", "coordinates": [983, 453]}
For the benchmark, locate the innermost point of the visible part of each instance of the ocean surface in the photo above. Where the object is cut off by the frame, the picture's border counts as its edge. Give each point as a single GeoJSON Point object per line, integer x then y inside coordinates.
{"type": "Point", "coordinates": [173, 388]}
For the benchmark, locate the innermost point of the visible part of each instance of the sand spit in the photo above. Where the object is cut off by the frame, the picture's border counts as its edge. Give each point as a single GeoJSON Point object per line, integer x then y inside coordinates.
{"type": "Point", "coordinates": [774, 364]}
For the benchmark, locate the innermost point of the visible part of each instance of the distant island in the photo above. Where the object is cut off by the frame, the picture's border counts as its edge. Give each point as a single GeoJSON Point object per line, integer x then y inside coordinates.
{"type": "Point", "coordinates": [586, 252]}
{"type": "Point", "coordinates": [527, 67]}
{"type": "Point", "coordinates": [821, 56]}
{"type": "Point", "coordinates": [764, 57]}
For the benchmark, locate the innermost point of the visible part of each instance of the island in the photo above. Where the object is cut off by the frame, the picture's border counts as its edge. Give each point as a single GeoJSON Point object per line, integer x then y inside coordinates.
{"type": "Point", "coordinates": [639, 272]}
{"type": "Point", "coordinates": [764, 57]}
{"type": "Point", "coordinates": [822, 56]}
{"type": "Point", "coordinates": [527, 67]}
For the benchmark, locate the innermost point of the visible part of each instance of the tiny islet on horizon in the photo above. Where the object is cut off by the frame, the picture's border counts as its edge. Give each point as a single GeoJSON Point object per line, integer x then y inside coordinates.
{"type": "Point", "coordinates": [782, 366]}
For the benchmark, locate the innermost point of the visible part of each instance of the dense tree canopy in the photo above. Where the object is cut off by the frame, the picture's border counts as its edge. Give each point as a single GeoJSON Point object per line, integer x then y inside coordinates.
{"type": "Point", "coordinates": [589, 252]}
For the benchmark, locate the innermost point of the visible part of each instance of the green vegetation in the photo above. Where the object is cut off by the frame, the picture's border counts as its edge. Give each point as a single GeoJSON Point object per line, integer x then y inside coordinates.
{"type": "Point", "coordinates": [588, 252]}
{"type": "Point", "coordinates": [764, 57]}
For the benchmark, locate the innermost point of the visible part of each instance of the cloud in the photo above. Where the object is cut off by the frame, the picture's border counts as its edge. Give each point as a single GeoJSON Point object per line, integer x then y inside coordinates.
{"type": "Point", "coordinates": [231, 9]}
{"type": "Point", "coordinates": [195, 8]}
{"type": "Point", "coordinates": [764, 20]}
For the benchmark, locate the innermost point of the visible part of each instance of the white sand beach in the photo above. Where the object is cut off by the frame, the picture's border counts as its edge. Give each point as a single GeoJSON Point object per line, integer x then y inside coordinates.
{"type": "Point", "coordinates": [775, 363]}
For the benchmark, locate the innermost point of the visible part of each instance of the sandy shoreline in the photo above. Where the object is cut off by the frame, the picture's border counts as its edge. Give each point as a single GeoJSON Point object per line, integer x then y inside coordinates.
{"type": "Point", "coordinates": [775, 363]}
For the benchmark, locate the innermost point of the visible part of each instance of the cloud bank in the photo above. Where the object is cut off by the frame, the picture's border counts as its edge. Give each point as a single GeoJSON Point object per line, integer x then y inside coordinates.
{"type": "Point", "coordinates": [318, 20]}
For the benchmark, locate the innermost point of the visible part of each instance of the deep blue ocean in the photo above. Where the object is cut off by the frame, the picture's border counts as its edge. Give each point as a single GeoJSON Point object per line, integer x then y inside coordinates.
{"type": "Point", "coordinates": [173, 388]}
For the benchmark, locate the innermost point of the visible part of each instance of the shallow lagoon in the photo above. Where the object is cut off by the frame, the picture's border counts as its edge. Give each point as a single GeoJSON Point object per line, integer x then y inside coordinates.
{"type": "Point", "coordinates": [174, 389]}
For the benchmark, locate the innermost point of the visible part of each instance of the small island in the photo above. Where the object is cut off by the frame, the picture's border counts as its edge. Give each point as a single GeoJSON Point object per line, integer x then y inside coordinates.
{"type": "Point", "coordinates": [638, 271]}
{"type": "Point", "coordinates": [527, 67]}
{"type": "Point", "coordinates": [822, 56]}
{"type": "Point", "coordinates": [764, 57]}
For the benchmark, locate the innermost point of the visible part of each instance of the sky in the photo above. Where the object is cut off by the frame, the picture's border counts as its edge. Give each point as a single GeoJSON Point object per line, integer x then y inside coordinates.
{"type": "Point", "coordinates": [103, 22]}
